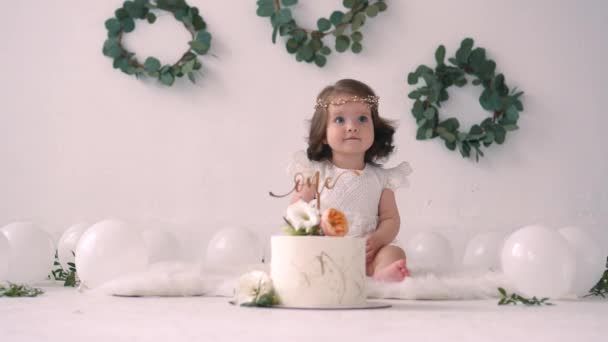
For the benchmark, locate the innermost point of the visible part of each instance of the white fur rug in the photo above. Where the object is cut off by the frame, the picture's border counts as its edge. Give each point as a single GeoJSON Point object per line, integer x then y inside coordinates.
{"type": "Point", "coordinates": [180, 279]}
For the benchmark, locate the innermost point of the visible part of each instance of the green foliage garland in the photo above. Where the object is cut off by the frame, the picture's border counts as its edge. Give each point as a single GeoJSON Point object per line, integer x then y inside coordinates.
{"type": "Point", "coordinates": [307, 45]}
{"type": "Point", "coordinates": [124, 22]}
{"type": "Point", "coordinates": [496, 98]}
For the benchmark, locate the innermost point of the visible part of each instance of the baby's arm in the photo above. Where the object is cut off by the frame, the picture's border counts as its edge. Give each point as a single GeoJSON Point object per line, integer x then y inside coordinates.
{"type": "Point", "coordinates": [388, 224]}
{"type": "Point", "coordinates": [307, 194]}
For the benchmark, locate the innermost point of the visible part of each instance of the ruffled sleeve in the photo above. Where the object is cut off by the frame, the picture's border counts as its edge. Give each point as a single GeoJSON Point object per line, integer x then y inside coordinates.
{"type": "Point", "coordinates": [396, 177]}
{"type": "Point", "coordinates": [299, 163]}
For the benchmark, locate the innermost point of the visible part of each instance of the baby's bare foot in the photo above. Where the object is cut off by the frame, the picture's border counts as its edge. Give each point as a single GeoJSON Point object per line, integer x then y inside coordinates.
{"type": "Point", "coordinates": [394, 272]}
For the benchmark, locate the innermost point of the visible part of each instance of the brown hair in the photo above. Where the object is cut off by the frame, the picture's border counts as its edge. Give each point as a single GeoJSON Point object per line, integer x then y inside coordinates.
{"type": "Point", "coordinates": [383, 129]}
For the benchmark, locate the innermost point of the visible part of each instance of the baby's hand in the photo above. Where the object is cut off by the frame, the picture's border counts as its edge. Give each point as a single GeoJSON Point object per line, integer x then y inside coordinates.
{"type": "Point", "coordinates": [372, 245]}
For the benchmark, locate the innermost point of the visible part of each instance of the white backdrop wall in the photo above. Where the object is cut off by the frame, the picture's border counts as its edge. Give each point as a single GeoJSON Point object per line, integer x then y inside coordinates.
{"type": "Point", "coordinates": [80, 141]}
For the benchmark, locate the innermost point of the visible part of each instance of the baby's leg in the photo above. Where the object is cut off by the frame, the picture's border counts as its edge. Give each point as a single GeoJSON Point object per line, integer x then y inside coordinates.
{"type": "Point", "coordinates": [389, 264]}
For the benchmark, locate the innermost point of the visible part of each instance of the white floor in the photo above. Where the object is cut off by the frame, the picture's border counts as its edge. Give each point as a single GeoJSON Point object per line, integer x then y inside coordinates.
{"type": "Point", "coordinates": [64, 314]}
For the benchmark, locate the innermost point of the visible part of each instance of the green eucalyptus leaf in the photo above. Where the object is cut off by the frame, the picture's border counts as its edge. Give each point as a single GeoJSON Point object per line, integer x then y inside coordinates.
{"type": "Point", "coordinates": [440, 54]}
{"type": "Point", "coordinates": [348, 3]}
{"type": "Point", "coordinates": [283, 16]}
{"type": "Point", "coordinates": [198, 23]}
{"type": "Point", "coordinates": [151, 18]}
{"type": "Point", "coordinates": [111, 48]}
{"type": "Point", "coordinates": [306, 52]}
{"type": "Point", "coordinates": [512, 114]}
{"type": "Point", "coordinates": [500, 135]}
{"type": "Point", "coordinates": [412, 78]}
{"type": "Point", "coordinates": [415, 94]}
{"type": "Point", "coordinates": [342, 43]}
{"type": "Point", "coordinates": [372, 11]}
{"type": "Point", "coordinates": [127, 25]}
{"type": "Point", "coordinates": [292, 45]}
{"type": "Point", "coordinates": [336, 17]}
{"type": "Point", "coordinates": [315, 44]}
{"type": "Point", "coordinates": [429, 113]}
{"type": "Point", "coordinates": [320, 60]}
{"type": "Point", "coordinates": [199, 47]}
{"type": "Point", "coordinates": [113, 25]}
{"type": "Point", "coordinates": [339, 30]}
{"type": "Point", "coordinates": [151, 64]}
{"type": "Point", "coordinates": [323, 24]}
{"type": "Point", "coordinates": [348, 17]}
{"type": "Point", "coordinates": [356, 47]}
{"type": "Point", "coordinates": [289, 2]}
{"type": "Point", "coordinates": [167, 78]}
{"type": "Point", "coordinates": [358, 21]}
{"type": "Point", "coordinates": [204, 37]}
{"type": "Point", "coordinates": [121, 13]}
{"type": "Point", "coordinates": [191, 77]}
{"type": "Point", "coordinates": [418, 109]}
{"type": "Point", "coordinates": [421, 133]}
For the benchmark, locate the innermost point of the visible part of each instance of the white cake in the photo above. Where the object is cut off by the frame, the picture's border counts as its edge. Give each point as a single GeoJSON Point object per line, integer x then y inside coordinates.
{"type": "Point", "coordinates": [319, 271]}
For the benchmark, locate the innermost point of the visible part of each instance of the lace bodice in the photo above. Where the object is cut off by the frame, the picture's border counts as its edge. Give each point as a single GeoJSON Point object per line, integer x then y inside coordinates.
{"type": "Point", "coordinates": [357, 196]}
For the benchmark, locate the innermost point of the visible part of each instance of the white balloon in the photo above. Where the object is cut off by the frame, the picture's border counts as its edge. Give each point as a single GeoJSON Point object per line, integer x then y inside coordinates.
{"type": "Point", "coordinates": [589, 261]}
{"type": "Point", "coordinates": [32, 252]}
{"type": "Point", "coordinates": [68, 242]}
{"type": "Point", "coordinates": [108, 250]}
{"type": "Point", "coordinates": [161, 245]}
{"type": "Point", "coordinates": [538, 261]}
{"type": "Point", "coordinates": [4, 255]}
{"type": "Point", "coordinates": [231, 248]}
{"type": "Point", "coordinates": [429, 251]}
{"type": "Point", "coordinates": [483, 252]}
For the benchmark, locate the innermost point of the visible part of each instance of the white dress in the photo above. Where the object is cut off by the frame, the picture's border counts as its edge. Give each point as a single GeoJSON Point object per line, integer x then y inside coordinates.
{"type": "Point", "coordinates": [356, 196]}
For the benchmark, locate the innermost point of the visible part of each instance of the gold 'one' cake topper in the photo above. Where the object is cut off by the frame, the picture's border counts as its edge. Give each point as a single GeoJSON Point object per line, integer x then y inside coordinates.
{"type": "Point", "coordinates": [314, 182]}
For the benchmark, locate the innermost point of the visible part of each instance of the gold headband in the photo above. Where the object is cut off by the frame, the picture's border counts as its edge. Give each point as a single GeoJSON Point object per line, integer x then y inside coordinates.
{"type": "Point", "coordinates": [371, 100]}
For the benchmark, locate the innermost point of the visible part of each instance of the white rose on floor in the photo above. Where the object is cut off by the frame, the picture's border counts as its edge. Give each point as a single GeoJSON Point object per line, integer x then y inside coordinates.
{"type": "Point", "coordinates": [252, 287]}
{"type": "Point", "coordinates": [302, 215]}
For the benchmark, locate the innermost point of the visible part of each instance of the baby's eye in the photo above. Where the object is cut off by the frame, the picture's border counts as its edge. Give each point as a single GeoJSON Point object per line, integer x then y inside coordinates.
{"type": "Point", "coordinates": [363, 118]}
{"type": "Point", "coordinates": [339, 119]}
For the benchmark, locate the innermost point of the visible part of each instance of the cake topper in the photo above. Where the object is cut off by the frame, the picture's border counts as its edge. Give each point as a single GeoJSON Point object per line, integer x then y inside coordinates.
{"type": "Point", "coordinates": [300, 181]}
{"type": "Point", "coordinates": [305, 219]}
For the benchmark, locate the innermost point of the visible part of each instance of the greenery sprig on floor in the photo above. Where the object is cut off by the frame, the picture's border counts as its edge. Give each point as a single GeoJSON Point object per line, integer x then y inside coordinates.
{"type": "Point", "coordinates": [69, 276]}
{"type": "Point", "coordinates": [601, 288]}
{"type": "Point", "coordinates": [307, 44]}
{"type": "Point", "coordinates": [514, 299]}
{"type": "Point", "coordinates": [19, 290]}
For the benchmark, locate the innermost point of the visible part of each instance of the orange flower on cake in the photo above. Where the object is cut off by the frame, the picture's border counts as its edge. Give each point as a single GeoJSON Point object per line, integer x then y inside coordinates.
{"type": "Point", "coordinates": [334, 223]}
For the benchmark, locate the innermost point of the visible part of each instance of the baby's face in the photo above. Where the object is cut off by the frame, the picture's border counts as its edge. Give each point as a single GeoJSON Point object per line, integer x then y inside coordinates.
{"type": "Point", "coordinates": [350, 129]}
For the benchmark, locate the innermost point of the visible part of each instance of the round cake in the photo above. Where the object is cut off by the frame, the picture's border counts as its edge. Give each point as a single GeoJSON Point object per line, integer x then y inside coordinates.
{"type": "Point", "coordinates": [319, 271]}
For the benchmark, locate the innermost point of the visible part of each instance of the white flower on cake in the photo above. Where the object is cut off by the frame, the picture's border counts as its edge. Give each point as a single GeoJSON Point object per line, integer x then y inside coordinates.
{"type": "Point", "coordinates": [303, 218]}
{"type": "Point", "coordinates": [255, 289]}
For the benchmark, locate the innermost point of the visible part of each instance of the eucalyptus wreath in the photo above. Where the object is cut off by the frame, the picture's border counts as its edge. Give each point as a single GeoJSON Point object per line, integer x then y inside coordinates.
{"type": "Point", "coordinates": [124, 22]}
{"type": "Point", "coordinates": [307, 44]}
{"type": "Point", "coordinates": [504, 104]}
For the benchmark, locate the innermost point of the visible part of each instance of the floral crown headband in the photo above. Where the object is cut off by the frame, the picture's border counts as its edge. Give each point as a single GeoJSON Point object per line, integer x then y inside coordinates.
{"type": "Point", "coordinates": [371, 100]}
